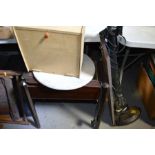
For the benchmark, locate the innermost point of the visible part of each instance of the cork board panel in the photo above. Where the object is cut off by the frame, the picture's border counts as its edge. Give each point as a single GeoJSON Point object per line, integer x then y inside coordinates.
{"type": "Point", "coordinates": [60, 53]}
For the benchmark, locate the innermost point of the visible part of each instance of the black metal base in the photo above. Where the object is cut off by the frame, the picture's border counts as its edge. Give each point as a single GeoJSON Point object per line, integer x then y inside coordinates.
{"type": "Point", "coordinates": [130, 115]}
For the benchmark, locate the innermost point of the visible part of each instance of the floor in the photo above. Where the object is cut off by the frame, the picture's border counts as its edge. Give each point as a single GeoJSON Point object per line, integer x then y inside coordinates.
{"type": "Point", "coordinates": [79, 116]}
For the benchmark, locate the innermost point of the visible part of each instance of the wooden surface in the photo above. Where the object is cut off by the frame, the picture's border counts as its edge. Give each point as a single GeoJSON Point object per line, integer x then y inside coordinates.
{"type": "Point", "coordinates": [51, 52]}
{"type": "Point", "coordinates": [89, 92]}
{"type": "Point", "coordinates": [147, 92]}
{"type": "Point", "coordinates": [60, 29]}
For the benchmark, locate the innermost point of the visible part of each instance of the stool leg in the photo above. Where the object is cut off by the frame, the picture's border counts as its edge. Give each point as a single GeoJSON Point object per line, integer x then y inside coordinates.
{"type": "Point", "coordinates": [31, 105]}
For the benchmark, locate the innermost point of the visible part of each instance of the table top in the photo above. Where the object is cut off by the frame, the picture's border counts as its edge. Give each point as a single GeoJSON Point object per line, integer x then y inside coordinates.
{"type": "Point", "coordinates": [60, 82]}
{"type": "Point", "coordinates": [138, 36]}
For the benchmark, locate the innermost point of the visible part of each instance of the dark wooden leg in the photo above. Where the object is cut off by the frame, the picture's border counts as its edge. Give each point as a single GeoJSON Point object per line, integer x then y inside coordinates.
{"type": "Point", "coordinates": [19, 96]}
{"type": "Point", "coordinates": [100, 107]}
{"type": "Point", "coordinates": [31, 104]}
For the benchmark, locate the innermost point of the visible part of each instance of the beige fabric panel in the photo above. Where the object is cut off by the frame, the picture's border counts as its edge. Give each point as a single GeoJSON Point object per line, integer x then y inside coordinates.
{"type": "Point", "coordinates": [59, 53]}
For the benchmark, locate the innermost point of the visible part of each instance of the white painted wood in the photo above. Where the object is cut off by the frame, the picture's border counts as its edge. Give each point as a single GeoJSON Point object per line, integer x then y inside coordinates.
{"type": "Point", "coordinates": [60, 82]}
